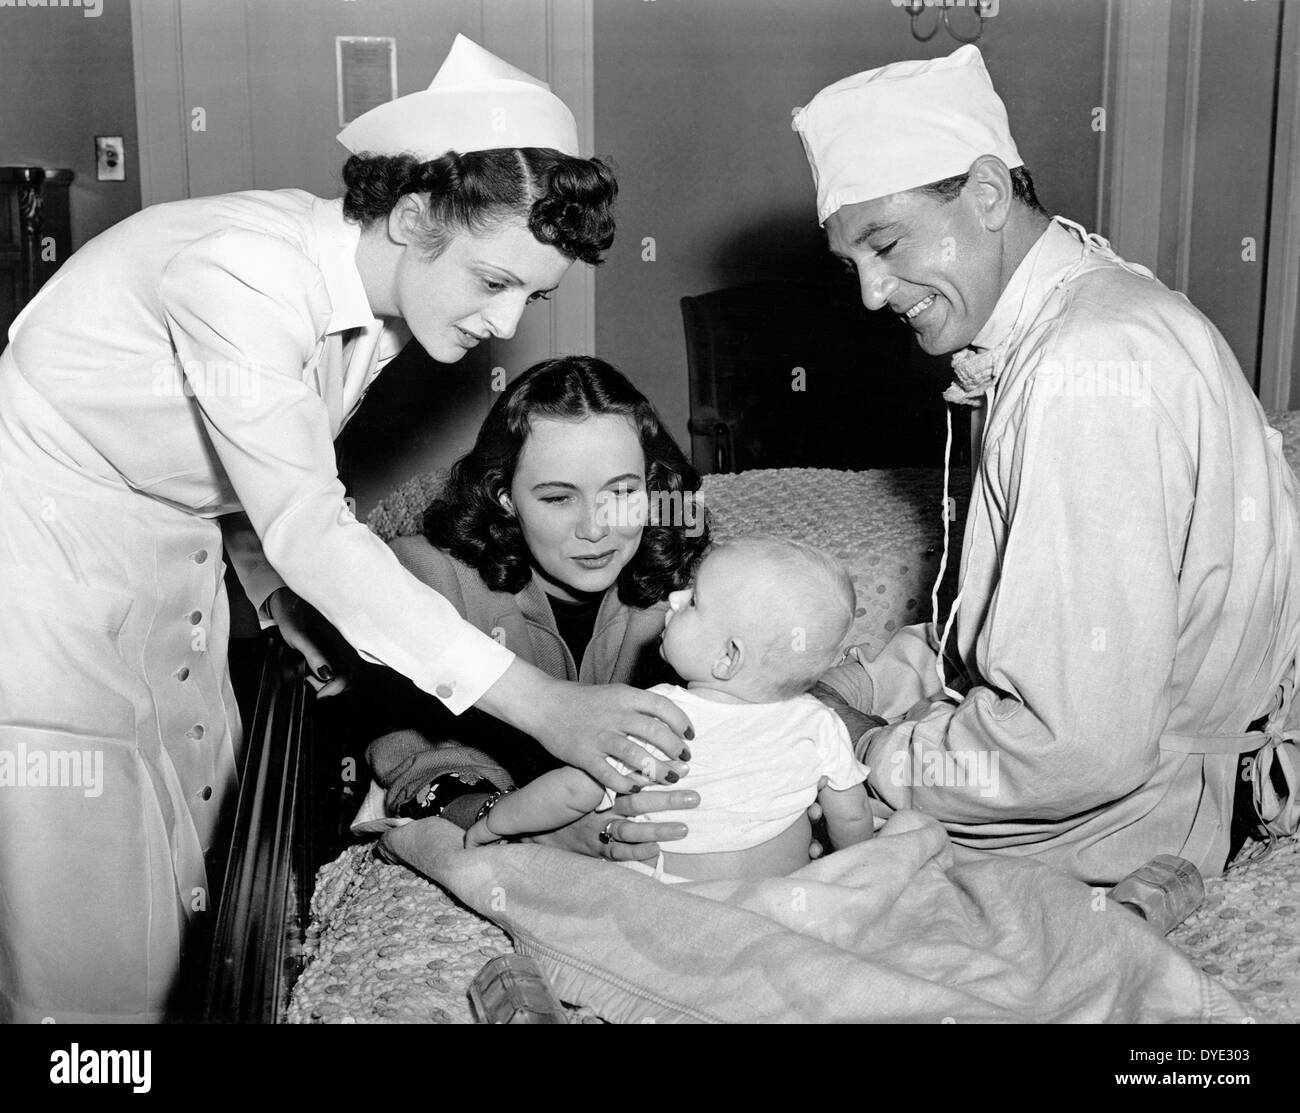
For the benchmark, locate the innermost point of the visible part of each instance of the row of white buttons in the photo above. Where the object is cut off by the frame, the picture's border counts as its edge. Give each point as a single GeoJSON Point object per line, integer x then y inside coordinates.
{"type": "Point", "coordinates": [196, 732]}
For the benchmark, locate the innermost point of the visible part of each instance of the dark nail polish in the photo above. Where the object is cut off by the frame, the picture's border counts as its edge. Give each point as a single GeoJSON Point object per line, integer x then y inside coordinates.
{"type": "Point", "coordinates": [634, 790]}
{"type": "Point", "coordinates": [325, 673]}
{"type": "Point", "coordinates": [672, 777]}
{"type": "Point", "coordinates": [685, 755]}
{"type": "Point", "coordinates": [690, 734]}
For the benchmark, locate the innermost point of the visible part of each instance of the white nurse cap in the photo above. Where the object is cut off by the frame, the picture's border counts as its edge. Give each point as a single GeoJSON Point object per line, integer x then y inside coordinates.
{"type": "Point", "coordinates": [477, 102]}
{"type": "Point", "coordinates": [901, 126]}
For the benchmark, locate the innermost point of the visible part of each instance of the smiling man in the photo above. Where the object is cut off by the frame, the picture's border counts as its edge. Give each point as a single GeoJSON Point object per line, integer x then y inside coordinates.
{"type": "Point", "coordinates": [1125, 634]}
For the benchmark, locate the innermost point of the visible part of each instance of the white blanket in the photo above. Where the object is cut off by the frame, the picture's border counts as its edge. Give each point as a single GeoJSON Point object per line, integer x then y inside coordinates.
{"type": "Point", "coordinates": [898, 929]}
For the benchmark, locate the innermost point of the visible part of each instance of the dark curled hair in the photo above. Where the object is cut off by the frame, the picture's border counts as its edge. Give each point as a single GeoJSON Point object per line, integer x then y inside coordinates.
{"type": "Point", "coordinates": [1022, 188]}
{"type": "Point", "coordinates": [566, 201]}
{"type": "Point", "coordinates": [468, 521]}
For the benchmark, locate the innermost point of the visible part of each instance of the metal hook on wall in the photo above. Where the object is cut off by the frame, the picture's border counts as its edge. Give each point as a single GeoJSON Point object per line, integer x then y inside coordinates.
{"type": "Point", "coordinates": [983, 9]}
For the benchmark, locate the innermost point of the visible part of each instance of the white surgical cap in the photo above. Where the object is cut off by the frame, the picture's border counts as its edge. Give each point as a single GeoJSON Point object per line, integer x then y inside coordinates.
{"type": "Point", "coordinates": [901, 126]}
{"type": "Point", "coordinates": [476, 102]}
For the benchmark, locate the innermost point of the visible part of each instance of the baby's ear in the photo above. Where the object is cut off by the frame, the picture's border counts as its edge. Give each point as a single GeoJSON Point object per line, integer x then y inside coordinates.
{"type": "Point", "coordinates": [730, 660]}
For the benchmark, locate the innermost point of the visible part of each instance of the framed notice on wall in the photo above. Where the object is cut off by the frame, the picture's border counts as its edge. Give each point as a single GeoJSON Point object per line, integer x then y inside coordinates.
{"type": "Point", "coordinates": [367, 74]}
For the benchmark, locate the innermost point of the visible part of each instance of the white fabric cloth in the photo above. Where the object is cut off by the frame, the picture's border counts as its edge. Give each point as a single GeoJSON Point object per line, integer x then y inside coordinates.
{"type": "Point", "coordinates": [182, 375]}
{"type": "Point", "coordinates": [477, 102]}
{"type": "Point", "coordinates": [904, 927]}
{"type": "Point", "coordinates": [756, 767]}
{"type": "Point", "coordinates": [901, 126]}
{"type": "Point", "coordinates": [1129, 586]}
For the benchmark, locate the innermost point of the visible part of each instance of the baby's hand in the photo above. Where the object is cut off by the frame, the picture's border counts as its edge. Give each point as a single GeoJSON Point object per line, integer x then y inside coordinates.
{"type": "Point", "coordinates": [480, 835]}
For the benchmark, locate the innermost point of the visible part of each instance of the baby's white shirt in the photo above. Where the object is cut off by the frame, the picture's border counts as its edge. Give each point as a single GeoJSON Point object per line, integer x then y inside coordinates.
{"type": "Point", "coordinates": [756, 767]}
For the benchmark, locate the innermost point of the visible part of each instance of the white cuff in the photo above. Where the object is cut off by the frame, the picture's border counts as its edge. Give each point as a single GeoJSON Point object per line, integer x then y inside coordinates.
{"type": "Point", "coordinates": [469, 667]}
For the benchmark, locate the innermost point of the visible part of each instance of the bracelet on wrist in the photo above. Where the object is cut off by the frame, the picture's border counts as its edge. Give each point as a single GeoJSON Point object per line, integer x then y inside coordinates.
{"type": "Point", "coordinates": [488, 804]}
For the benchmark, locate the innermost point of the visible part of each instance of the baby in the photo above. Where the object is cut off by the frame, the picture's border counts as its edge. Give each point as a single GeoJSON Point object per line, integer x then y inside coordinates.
{"type": "Point", "coordinates": [760, 624]}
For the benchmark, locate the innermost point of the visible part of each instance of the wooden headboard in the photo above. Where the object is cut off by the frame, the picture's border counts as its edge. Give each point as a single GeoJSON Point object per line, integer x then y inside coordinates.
{"type": "Point", "coordinates": [783, 375]}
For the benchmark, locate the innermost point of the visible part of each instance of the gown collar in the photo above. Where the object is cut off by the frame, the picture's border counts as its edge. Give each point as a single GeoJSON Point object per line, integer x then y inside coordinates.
{"type": "Point", "coordinates": [338, 239]}
{"type": "Point", "coordinates": [1056, 252]}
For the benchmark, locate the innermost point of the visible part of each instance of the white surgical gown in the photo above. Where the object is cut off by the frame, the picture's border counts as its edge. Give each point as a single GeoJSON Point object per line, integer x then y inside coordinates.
{"type": "Point", "coordinates": [1130, 586]}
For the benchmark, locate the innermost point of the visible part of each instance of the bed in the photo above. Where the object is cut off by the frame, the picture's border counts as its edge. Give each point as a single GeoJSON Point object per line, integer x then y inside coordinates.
{"type": "Point", "coordinates": [314, 930]}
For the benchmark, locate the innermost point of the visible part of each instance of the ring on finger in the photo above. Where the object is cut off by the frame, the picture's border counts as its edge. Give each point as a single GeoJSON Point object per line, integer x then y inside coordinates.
{"type": "Point", "coordinates": [606, 835]}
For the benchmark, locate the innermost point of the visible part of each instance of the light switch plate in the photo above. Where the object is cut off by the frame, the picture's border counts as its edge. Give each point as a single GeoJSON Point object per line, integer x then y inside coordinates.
{"type": "Point", "coordinates": [110, 158]}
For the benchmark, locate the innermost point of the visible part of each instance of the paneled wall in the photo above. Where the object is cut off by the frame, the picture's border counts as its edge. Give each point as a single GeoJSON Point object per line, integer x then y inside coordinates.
{"type": "Point", "coordinates": [1228, 226]}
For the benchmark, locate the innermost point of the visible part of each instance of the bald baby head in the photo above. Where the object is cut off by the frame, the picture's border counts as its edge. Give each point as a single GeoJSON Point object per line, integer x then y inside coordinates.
{"type": "Point", "coordinates": [763, 620]}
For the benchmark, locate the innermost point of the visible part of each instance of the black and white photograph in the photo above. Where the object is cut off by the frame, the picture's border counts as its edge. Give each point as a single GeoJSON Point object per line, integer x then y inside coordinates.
{"type": "Point", "coordinates": [651, 512]}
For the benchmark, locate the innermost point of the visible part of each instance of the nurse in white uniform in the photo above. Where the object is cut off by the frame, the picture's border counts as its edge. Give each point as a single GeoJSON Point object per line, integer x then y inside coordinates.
{"type": "Point", "coordinates": [178, 385]}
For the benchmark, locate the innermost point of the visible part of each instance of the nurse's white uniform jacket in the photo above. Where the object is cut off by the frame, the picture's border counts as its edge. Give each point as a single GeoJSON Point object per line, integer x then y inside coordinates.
{"type": "Point", "coordinates": [1129, 587]}
{"type": "Point", "coordinates": [183, 375]}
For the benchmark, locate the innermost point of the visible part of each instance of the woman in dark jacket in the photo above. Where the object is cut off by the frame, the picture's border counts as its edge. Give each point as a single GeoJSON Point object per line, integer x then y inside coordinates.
{"type": "Point", "coordinates": [560, 534]}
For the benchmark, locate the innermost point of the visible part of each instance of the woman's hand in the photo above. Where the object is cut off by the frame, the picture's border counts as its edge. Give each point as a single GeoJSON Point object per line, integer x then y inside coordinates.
{"type": "Point", "coordinates": [627, 838]}
{"type": "Point", "coordinates": [586, 724]}
{"type": "Point", "coordinates": [304, 628]}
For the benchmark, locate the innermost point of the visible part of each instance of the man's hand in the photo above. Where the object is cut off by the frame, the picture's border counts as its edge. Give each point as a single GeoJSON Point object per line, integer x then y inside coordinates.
{"type": "Point", "coordinates": [628, 839]}
{"type": "Point", "coordinates": [585, 724]}
{"type": "Point", "coordinates": [304, 629]}
{"type": "Point", "coordinates": [815, 849]}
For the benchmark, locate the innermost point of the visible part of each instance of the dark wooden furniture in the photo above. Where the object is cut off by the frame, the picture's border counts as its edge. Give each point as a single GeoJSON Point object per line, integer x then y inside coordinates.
{"type": "Point", "coordinates": [783, 375]}
{"type": "Point", "coordinates": [35, 235]}
{"type": "Point", "coordinates": [295, 804]}
{"type": "Point", "coordinates": [263, 913]}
